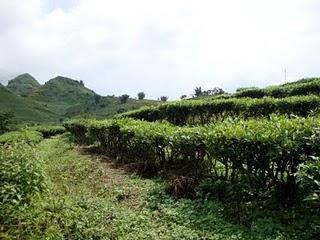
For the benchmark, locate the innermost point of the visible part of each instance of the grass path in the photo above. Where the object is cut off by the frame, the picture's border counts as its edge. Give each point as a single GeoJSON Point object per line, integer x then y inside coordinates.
{"type": "Point", "coordinates": [89, 199]}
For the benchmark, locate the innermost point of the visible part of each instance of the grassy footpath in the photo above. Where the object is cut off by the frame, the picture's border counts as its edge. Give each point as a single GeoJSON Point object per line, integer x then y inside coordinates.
{"type": "Point", "coordinates": [88, 199]}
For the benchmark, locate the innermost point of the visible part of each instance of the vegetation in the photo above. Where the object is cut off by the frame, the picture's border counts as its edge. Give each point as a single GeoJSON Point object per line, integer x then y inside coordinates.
{"type": "Point", "coordinates": [83, 198]}
{"type": "Point", "coordinates": [163, 98]}
{"type": "Point", "coordinates": [26, 136]}
{"type": "Point", "coordinates": [23, 84]}
{"type": "Point", "coordinates": [141, 95]}
{"type": "Point", "coordinates": [219, 166]}
{"type": "Point", "coordinates": [303, 87]}
{"type": "Point", "coordinates": [6, 122]}
{"type": "Point", "coordinates": [124, 98]}
{"type": "Point", "coordinates": [48, 130]}
{"type": "Point", "coordinates": [203, 111]}
{"type": "Point", "coordinates": [58, 99]}
{"type": "Point", "coordinates": [264, 154]}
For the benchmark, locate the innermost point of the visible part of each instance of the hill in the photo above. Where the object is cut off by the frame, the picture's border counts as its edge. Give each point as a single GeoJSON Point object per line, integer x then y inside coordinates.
{"type": "Point", "coordinates": [23, 84]}
{"type": "Point", "coordinates": [59, 98]}
{"type": "Point", "coordinates": [63, 90]}
{"type": "Point", "coordinates": [25, 109]}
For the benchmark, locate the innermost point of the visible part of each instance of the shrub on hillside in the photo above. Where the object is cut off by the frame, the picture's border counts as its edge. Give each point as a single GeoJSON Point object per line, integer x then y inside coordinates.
{"type": "Point", "coordinates": [20, 174]}
{"type": "Point", "coordinates": [6, 121]}
{"type": "Point", "coordinates": [27, 136]}
{"type": "Point", "coordinates": [47, 130]}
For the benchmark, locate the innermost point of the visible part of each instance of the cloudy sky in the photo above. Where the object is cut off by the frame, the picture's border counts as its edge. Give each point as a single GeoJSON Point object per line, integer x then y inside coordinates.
{"type": "Point", "coordinates": [165, 47]}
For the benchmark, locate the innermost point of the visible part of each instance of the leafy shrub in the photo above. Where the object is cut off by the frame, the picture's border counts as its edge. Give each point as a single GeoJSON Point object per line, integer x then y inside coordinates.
{"type": "Point", "coordinates": [124, 98]}
{"type": "Point", "coordinates": [299, 88]}
{"type": "Point", "coordinates": [20, 174]}
{"type": "Point", "coordinates": [47, 130]}
{"type": "Point", "coordinates": [6, 121]}
{"type": "Point", "coordinates": [264, 154]}
{"type": "Point", "coordinates": [141, 95]}
{"type": "Point", "coordinates": [26, 136]}
{"type": "Point", "coordinates": [308, 177]}
{"type": "Point", "coordinates": [206, 110]}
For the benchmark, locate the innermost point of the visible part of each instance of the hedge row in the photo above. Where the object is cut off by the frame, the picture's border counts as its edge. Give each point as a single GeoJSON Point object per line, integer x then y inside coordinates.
{"type": "Point", "coordinates": [302, 87]}
{"type": "Point", "coordinates": [48, 130]}
{"type": "Point", "coordinates": [27, 136]}
{"type": "Point", "coordinates": [265, 154]}
{"type": "Point", "coordinates": [204, 111]}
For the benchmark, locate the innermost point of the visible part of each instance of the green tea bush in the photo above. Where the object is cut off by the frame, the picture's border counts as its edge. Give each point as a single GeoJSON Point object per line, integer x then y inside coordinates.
{"type": "Point", "coordinates": [264, 154]}
{"type": "Point", "coordinates": [204, 111]}
{"type": "Point", "coordinates": [25, 136]}
{"type": "Point", "coordinates": [47, 130]}
{"type": "Point", "coordinates": [7, 122]}
{"type": "Point", "coordinates": [21, 175]}
{"type": "Point", "coordinates": [299, 88]}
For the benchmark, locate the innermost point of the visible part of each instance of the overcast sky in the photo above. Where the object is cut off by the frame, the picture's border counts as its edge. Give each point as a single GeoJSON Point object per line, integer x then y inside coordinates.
{"type": "Point", "coordinates": [165, 47]}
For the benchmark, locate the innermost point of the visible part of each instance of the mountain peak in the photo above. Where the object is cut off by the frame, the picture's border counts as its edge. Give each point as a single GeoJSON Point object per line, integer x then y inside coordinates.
{"type": "Point", "coordinates": [23, 84]}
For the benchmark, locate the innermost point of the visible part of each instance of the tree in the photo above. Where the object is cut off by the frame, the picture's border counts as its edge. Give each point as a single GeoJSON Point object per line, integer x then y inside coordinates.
{"type": "Point", "coordinates": [216, 91]}
{"type": "Point", "coordinates": [163, 98]}
{"type": "Point", "coordinates": [141, 95]}
{"type": "Point", "coordinates": [124, 98]}
{"type": "Point", "coordinates": [197, 91]}
{"type": "Point", "coordinates": [183, 97]}
{"type": "Point", "coordinates": [81, 83]}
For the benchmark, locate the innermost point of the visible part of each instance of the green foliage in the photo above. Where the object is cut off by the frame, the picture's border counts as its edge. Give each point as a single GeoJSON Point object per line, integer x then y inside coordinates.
{"type": "Point", "coordinates": [205, 110]}
{"type": "Point", "coordinates": [309, 179]}
{"type": "Point", "coordinates": [89, 200]}
{"type": "Point", "coordinates": [26, 136]}
{"type": "Point", "coordinates": [197, 91]}
{"type": "Point", "coordinates": [303, 87]}
{"type": "Point", "coordinates": [183, 96]}
{"type": "Point", "coordinates": [25, 109]}
{"type": "Point", "coordinates": [264, 153]}
{"type": "Point", "coordinates": [163, 98]}
{"type": "Point", "coordinates": [141, 95]}
{"type": "Point", "coordinates": [23, 84]}
{"type": "Point", "coordinates": [124, 98]}
{"type": "Point", "coordinates": [21, 175]}
{"type": "Point", "coordinates": [48, 130]}
{"type": "Point", "coordinates": [6, 121]}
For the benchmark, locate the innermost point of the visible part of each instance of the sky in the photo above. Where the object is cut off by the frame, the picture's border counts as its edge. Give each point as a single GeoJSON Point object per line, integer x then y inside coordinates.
{"type": "Point", "coordinates": [165, 47]}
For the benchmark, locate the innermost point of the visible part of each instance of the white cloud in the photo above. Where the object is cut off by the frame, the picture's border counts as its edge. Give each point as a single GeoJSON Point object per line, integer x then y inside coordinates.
{"type": "Point", "coordinates": [161, 47]}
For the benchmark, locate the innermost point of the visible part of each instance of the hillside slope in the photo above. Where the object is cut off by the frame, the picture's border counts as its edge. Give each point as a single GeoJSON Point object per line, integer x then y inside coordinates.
{"type": "Point", "coordinates": [25, 109]}
{"type": "Point", "coordinates": [59, 98]}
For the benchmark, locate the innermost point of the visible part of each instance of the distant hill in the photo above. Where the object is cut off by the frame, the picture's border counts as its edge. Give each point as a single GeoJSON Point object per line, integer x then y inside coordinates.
{"type": "Point", "coordinates": [59, 98]}
{"type": "Point", "coordinates": [23, 84]}
{"type": "Point", "coordinates": [25, 109]}
{"type": "Point", "coordinates": [62, 89]}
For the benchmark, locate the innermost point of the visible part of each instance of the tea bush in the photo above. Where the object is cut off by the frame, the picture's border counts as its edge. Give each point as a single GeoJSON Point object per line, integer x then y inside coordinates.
{"type": "Point", "coordinates": [25, 136]}
{"type": "Point", "coordinates": [205, 110]}
{"type": "Point", "coordinates": [20, 175]}
{"type": "Point", "coordinates": [48, 130]}
{"type": "Point", "coordinates": [263, 153]}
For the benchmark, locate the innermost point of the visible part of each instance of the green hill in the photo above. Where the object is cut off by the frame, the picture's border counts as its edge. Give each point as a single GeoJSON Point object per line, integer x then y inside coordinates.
{"type": "Point", "coordinates": [23, 84]}
{"type": "Point", "coordinates": [63, 90]}
{"type": "Point", "coordinates": [59, 98]}
{"type": "Point", "coordinates": [25, 109]}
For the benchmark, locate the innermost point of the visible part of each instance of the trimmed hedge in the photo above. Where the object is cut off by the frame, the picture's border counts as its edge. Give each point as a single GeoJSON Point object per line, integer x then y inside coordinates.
{"type": "Point", "coordinates": [303, 87]}
{"type": "Point", "coordinates": [264, 153]}
{"type": "Point", "coordinates": [205, 111]}
{"type": "Point", "coordinates": [48, 130]}
{"type": "Point", "coordinates": [27, 136]}
{"type": "Point", "coordinates": [21, 176]}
